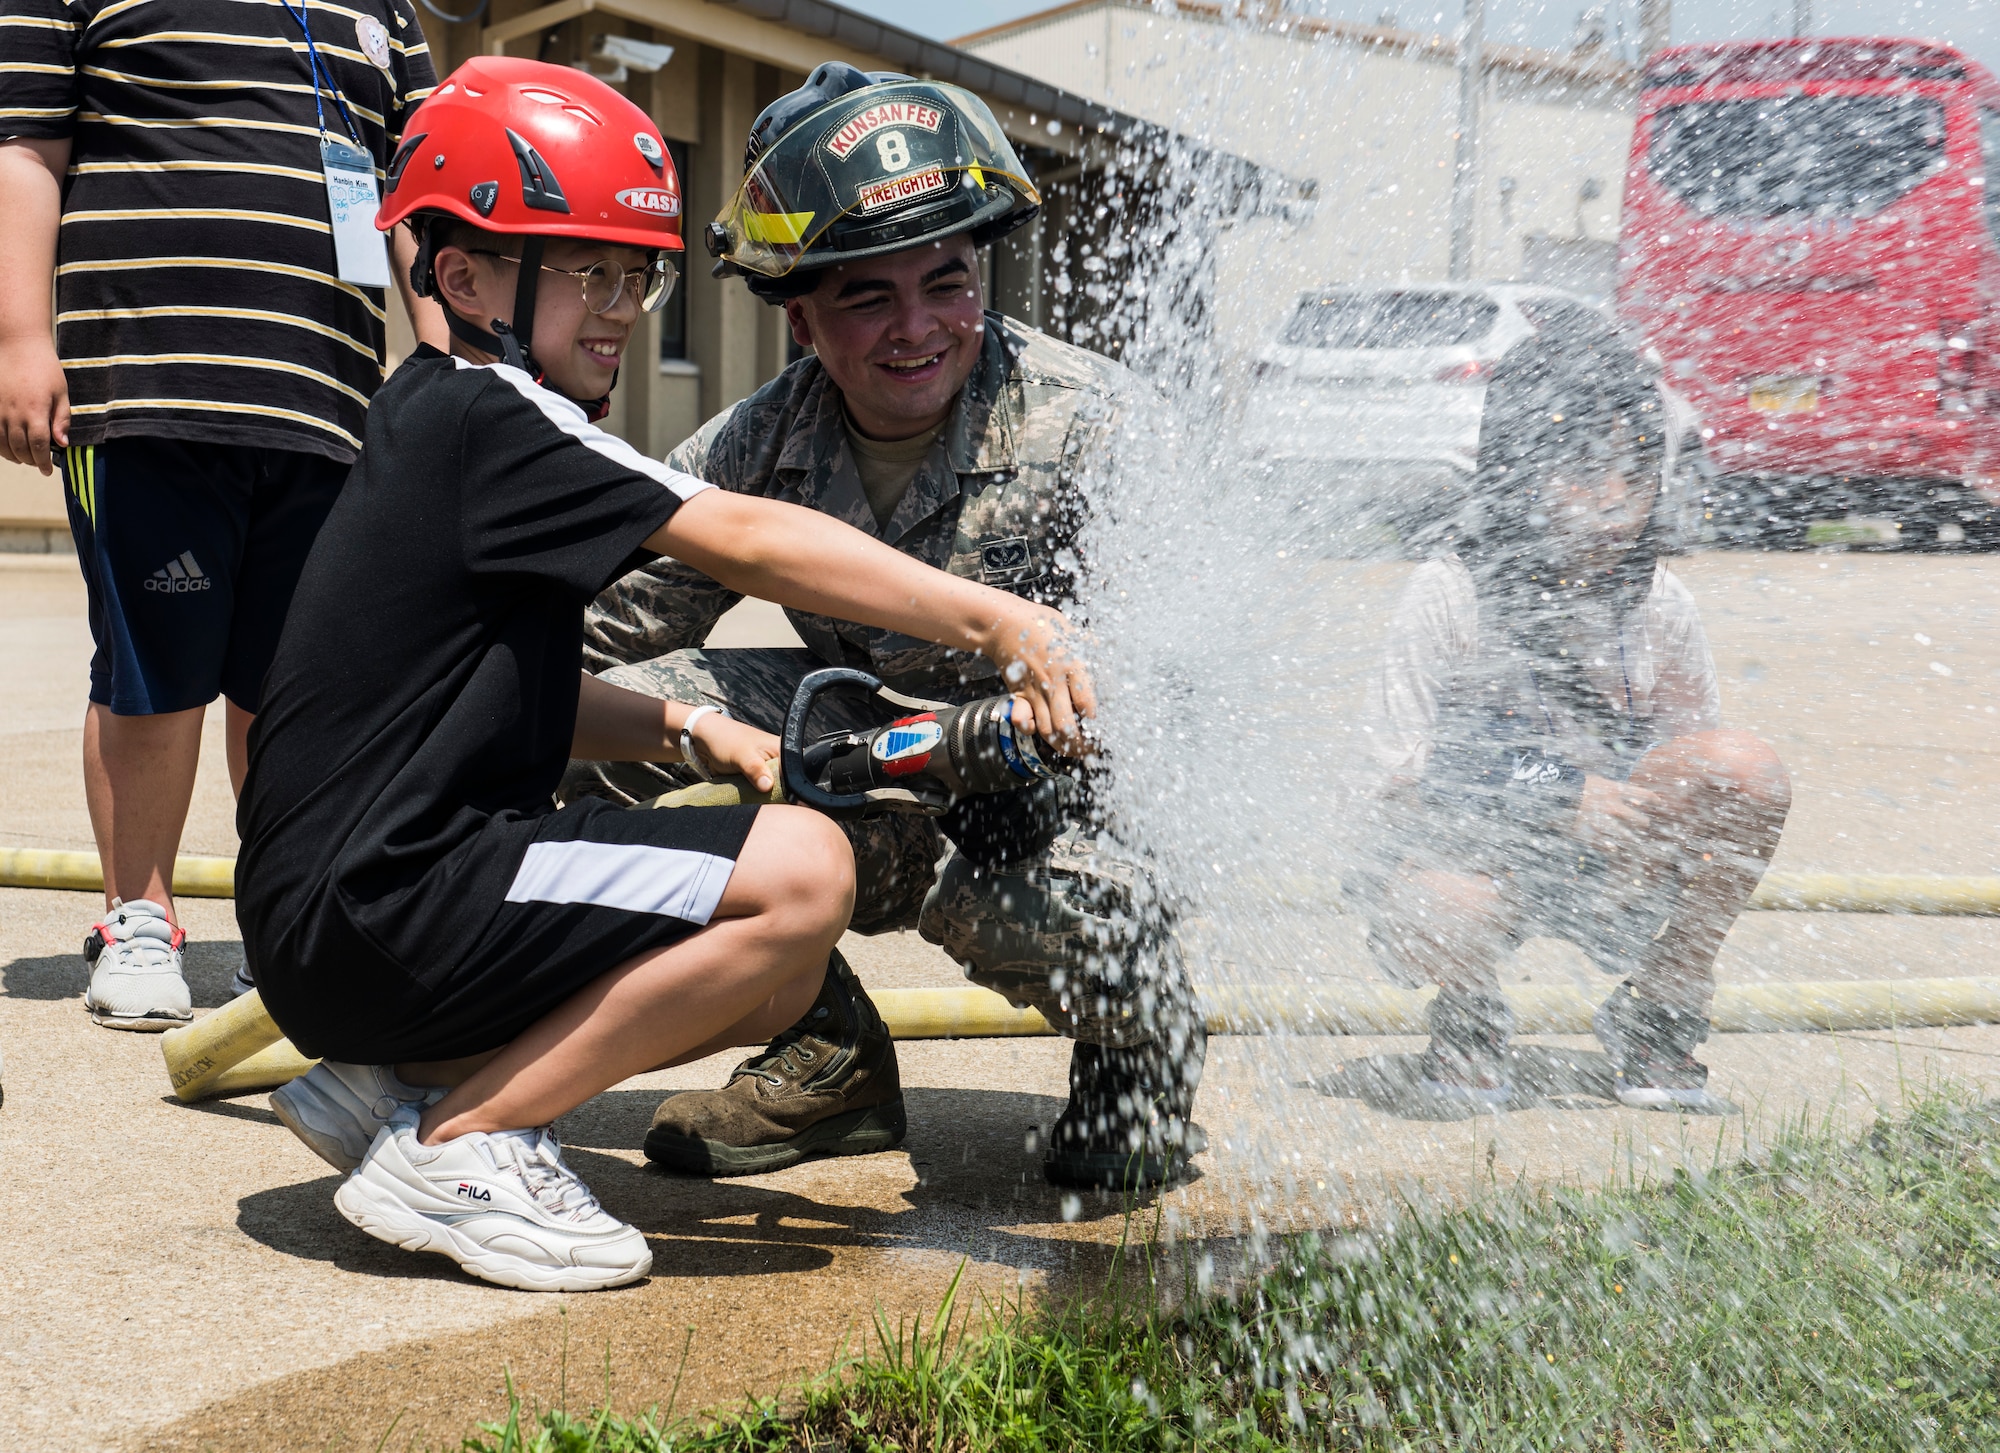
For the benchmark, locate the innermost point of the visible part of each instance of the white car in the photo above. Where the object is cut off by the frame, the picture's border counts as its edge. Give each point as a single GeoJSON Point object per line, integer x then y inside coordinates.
{"type": "Point", "coordinates": [1366, 410]}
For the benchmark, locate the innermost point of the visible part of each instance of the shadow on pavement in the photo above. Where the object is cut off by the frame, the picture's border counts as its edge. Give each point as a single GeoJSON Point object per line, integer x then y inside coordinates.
{"type": "Point", "coordinates": [249, 1106]}
{"type": "Point", "coordinates": [299, 1220]}
{"type": "Point", "coordinates": [58, 976]}
{"type": "Point", "coordinates": [969, 1173]}
{"type": "Point", "coordinates": [999, 1122]}
{"type": "Point", "coordinates": [977, 1152]}
{"type": "Point", "coordinates": [883, 1234]}
{"type": "Point", "coordinates": [1545, 1077]}
{"type": "Point", "coordinates": [208, 967]}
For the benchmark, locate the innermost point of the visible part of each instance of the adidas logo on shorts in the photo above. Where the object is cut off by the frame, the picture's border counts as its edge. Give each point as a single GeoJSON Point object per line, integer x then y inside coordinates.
{"type": "Point", "coordinates": [178, 577]}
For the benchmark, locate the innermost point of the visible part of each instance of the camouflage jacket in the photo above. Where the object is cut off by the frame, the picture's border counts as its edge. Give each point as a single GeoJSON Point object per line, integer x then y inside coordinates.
{"type": "Point", "coordinates": [1000, 499]}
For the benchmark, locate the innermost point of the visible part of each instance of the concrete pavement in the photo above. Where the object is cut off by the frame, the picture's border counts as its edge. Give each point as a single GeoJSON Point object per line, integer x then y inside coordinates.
{"type": "Point", "coordinates": [176, 1277]}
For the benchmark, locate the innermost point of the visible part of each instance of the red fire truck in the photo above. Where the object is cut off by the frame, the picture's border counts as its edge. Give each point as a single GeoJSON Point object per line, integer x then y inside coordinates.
{"type": "Point", "coordinates": [1811, 239]}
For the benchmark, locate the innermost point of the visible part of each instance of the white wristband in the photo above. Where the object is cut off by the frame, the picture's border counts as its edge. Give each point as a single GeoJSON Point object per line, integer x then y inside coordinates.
{"type": "Point", "coordinates": [688, 753]}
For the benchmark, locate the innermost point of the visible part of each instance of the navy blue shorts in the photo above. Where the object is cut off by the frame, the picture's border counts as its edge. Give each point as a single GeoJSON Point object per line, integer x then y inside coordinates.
{"type": "Point", "coordinates": [191, 553]}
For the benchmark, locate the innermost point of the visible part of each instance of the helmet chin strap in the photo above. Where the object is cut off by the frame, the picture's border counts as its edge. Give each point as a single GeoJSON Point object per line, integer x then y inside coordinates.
{"type": "Point", "coordinates": [511, 344]}
{"type": "Point", "coordinates": [595, 409]}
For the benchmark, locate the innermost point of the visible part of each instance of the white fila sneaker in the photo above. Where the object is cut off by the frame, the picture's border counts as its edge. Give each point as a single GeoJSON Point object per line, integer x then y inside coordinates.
{"type": "Point", "coordinates": [135, 970]}
{"type": "Point", "coordinates": [336, 1109]}
{"type": "Point", "coordinates": [503, 1206]}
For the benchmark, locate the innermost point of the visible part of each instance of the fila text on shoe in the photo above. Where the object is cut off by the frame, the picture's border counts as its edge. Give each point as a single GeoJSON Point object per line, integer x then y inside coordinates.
{"type": "Point", "coordinates": [504, 1206]}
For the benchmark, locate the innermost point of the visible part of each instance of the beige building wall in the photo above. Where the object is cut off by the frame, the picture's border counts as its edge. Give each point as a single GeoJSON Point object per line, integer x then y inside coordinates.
{"type": "Point", "coordinates": [1370, 113]}
{"type": "Point", "coordinates": [32, 517]}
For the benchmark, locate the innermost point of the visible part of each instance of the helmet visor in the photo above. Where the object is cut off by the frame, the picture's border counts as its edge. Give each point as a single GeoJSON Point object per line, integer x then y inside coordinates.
{"type": "Point", "coordinates": [894, 161]}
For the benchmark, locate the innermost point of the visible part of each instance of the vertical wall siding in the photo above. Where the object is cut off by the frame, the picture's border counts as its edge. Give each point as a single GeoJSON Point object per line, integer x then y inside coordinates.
{"type": "Point", "coordinates": [1373, 124]}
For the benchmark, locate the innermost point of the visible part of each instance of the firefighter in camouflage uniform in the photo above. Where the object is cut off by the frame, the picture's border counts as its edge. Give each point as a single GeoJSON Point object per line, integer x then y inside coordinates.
{"type": "Point", "coordinates": [969, 441]}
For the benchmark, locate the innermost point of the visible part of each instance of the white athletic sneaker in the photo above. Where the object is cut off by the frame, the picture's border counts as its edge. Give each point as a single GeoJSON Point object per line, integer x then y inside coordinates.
{"type": "Point", "coordinates": [135, 970]}
{"type": "Point", "coordinates": [240, 982]}
{"type": "Point", "coordinates": [336, 1109]}
{"type": "Point", "coordinates": [503, 1206]}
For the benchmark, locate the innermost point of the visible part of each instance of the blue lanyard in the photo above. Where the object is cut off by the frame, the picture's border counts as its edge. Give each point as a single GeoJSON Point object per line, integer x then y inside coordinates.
{"type": "Point", "coordinates": [321, 74]}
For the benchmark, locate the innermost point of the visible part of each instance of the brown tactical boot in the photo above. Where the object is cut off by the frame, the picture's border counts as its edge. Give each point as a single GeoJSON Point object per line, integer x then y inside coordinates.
{"type": "Point", "coordinates": [826, 1086]}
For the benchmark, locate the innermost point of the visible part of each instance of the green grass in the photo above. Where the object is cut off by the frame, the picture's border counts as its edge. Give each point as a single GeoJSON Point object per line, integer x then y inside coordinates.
{"type": "Point", "coordinates": [1830, 1295]}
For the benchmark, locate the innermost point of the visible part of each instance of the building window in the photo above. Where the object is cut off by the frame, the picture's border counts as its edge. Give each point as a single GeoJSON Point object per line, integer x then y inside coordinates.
{"type": "Point", "coordinates": [674, 316]}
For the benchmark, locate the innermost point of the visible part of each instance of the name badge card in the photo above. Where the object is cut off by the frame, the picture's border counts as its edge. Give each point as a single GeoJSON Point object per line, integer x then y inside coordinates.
{"type": "Point", "coordinates": [360, 253]}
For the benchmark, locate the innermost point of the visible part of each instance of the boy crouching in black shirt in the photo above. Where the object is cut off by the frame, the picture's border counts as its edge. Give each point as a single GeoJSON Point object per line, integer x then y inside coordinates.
{"type": "Point", "coordinates": [470, 961]}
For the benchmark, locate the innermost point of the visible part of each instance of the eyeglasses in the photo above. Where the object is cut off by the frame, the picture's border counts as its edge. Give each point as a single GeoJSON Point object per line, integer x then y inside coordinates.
{"type": "Point", "coordinates": [604, 282]}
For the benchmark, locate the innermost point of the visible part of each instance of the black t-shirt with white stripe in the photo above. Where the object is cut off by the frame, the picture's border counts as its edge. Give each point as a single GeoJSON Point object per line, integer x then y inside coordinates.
{"type": "Point", "coordinates": [196, 293]}
{"type": "Point", "coordinates": [419, 713]}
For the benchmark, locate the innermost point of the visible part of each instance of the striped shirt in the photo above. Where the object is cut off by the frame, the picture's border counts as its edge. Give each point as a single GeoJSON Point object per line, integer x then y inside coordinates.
{"type": "Point", "coordinates": [196, 293]}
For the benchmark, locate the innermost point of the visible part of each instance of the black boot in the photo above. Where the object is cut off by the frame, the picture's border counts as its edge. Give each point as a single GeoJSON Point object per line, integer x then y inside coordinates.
{"type": "Point", "coordinates": [1129, 1122]}
{"type": "Point", "coordinates": [1652, 1054]}
{"type": "Point", "coordinates": [1466, 1060]}
{"type": "Point", "coordinates": [827, 1086]}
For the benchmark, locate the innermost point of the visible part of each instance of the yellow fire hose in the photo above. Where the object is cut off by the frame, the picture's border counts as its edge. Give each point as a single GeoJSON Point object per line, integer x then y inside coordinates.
{"type": "Point", "coordinates": [42, 868]}
{"type": "Point", "coordinates": [237, 1048]}
{"type": "Point", "coordinates": [1918, 893]}
{"type": "Point", "coordinates": [1966, 897]}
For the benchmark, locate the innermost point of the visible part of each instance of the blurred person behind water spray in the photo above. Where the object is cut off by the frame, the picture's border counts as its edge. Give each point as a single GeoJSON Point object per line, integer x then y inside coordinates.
{"type": "Point", "coordinates": [1548, 716]}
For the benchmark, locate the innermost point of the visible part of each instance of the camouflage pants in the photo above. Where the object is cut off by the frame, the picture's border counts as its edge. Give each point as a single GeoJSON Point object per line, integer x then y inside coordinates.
{"type": "Point", "coordinates": [895, 858]}
{"type": "Point", "coordinates": [1075, 934]}
{"type": "Point", "coordinates": [1066, 932]}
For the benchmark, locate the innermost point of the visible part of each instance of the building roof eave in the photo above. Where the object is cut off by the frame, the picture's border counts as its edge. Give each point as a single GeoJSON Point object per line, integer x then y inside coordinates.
{"type": "Point", "coordinates": [1589, 70]}
{"type": "Point", "coordinates": [1253, 189]}
{"type": "Point", "coordinates": [1032, 112]}
{"type": "Point", "coordinates": [920, 55]}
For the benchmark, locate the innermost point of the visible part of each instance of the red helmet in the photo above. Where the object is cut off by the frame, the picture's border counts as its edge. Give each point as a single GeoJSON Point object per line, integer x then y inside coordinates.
{"type": "Point", "coordinates": [588, 162]}
{"type": "Point", "coordinates": [536, 150]}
